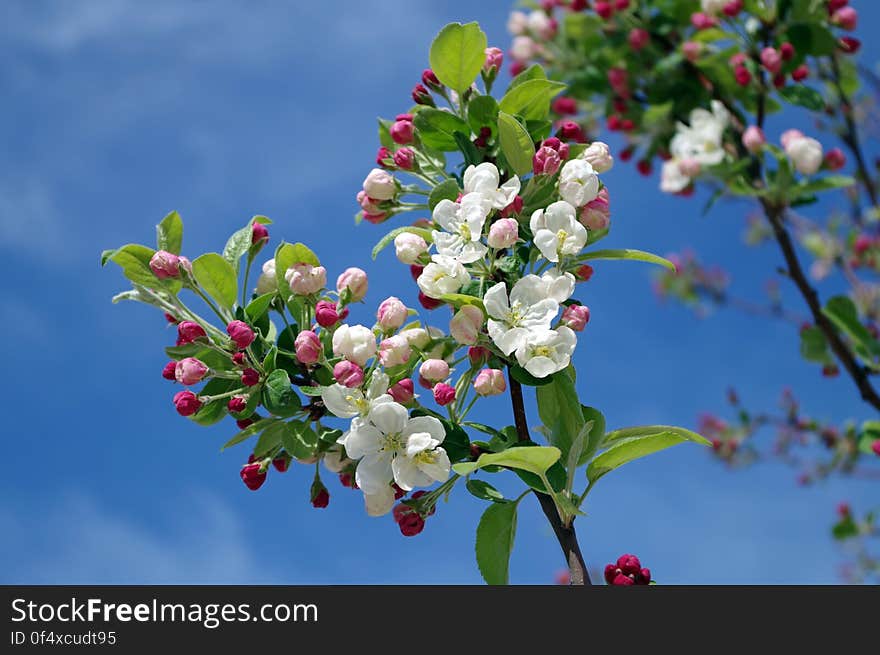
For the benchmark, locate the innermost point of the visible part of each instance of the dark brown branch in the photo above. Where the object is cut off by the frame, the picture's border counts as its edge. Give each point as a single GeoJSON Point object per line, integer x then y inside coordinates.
{"type": "Point", "coordinates": [855, 370]}
{"type": "Point", "coordinates": [565, 535]}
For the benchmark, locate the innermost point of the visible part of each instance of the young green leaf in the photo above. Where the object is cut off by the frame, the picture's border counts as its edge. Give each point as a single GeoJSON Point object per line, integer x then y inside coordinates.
{"type": "Point", "coordinates": [483, 490]}
{"type": "Point", "coordinates": [258, 306]}
{"type": "Point", "coordinates": [560, 411]}
{"type": "Point", "coordinates": [534, 459]}
{"type": "Point", "coordinates": [531, 99]}
{"type": "Point", "coordinates": [447, 189]}
{"type": "Point", "coordinates": [628, 253]}
{"type": "Point", "coordinates": [483, 112]}
{"type": "Point", "coordinates": [238, 245]}
{"type": "Point", "coordinates": [437, 128]}
{"type": "Point", "coordinates": [134, 260]}
{"type": "Point", "coordinates": [299, 439]}
{"type": "Point", "coordinates": [278, 395]}
{"type": "Point", "coordinates": [457, 55]}
{"type": "Point", "coordinates": [248, 432]}
{"type": "Point", "coordinates": [217, 277]}
{"type": "Point", "coordinates": [516, 144]}
{"type": "Point", "coordinates": [842, 311]}
{"type": "Point", "coordinates": [169, 233]}
{"type": "Point", "coordinates": [495, 535]}
{"type": "Point", "coordinates": [804, 96]}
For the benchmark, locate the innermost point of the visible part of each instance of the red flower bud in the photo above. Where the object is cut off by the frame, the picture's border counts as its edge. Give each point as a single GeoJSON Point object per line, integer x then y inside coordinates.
{"type": "Point", "coordinates": [742, 75]}
{"type": "Point", "coordinates": [584, 273]}
{"type": "Point", "coordinates": [800, 73]}
{"type": "Point", "coordinates": [244, 423]}
{"type": "Point", "coordinates": [411, 524]}
{"type": "Point", "coordinates": [421, 96]}
{"type": "Point", "coordinates": [168, 371]}
{"type": "Point", "coordinates": [415, 270]}
{"type": "Point", "coordinates": [259, 232]}
{"type": "Point", "coordinates": [849, 45]}
{"type": "Point", "coordinates": [238, 359]}
{"type": "Point", "coordinates": [321, 499]}
{"type": "Point", "coordinates": [629, 564]}
{"type": "Point", "coordinates": [250, 377]}
{"type": "Point", "coordinates": [236, 404]}
{"type": "Point", "coordinates": [382, 156]}
{"type": "Point", "coordinates": [282, 463]}
{"type": "Point", "coordinates": [187, 332]}
{"type": "Point", "coordinates": [787, 51]}
{"type": "Point", "coordinates": [241, 334]}
{"type": "Point", "coordinates": [251, 475]}
{"type": "Point", "coordinates": [429, 79]}
{"type": "Point", "coordinates": [444, 394]}
{"type": "Point", "coordinates": [564, 105]}
{"type": "Point", "coordinates": [186, 403]}
{"type": "Point", "coordinates": [429, 303]}
{"type": "Point", "coordinates": [171, 319]}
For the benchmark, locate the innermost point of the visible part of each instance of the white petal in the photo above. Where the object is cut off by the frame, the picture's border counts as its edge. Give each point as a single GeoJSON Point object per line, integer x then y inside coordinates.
{"type": "Point", "coordinates": [407, 474]}
{"type": "Point", "coordinates": [495, 301]}
{"type": "Point", "coordinates": [389, 418]}
{"type": "Point", "coordinates": [419, 441]}
{"type": "Point", "coordinates": [374, 473]}
{"type": "Point", "coordinates": [528, 289]}
{"type": "Point", "coordinates": [381, 502]}
{"type": "Point", "coordinates": [472, 252]}
{"type": "Point", "coordinates": [537, 221]}
{"type": "Point", "coordinates": [428, 424]}
{"type": "Point", "coordinates": [540, 367]}
{"type": "Point", "coordinates": [560, 287]}
{"type": "Point", "coordinates": [445, 214]}
{"type": "Point", "coordinates": [362, 440]}
{"type": "Point", "coordinates": [540, 314]}
{"type": "Point", "coordinates": [546, 242]}
{"type": "Point", "coordinates": [338, 400]}
{"type": "Point", "coordinates": [437, 470]}
{"type": "Point", "coordinates": [379, 384]}
{"type": "Point", "coordinates": [512, 339]}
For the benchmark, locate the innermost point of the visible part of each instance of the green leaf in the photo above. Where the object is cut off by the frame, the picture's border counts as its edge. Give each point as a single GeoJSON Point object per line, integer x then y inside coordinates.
{"type": "Point", "coordinates": [483, 112]}
{"type": "Point", "coordinates": [826, 183]}
{"type": "Point", "coordinates": [842, 311]}
{"type": "Point", "coordinates": [169, 233]}
{"type": "Point", "coordinates": [596, 435]}
{"type": "Point", "coordinates": [286, 255]}
{"type": "Point", "coordinates": [278, 395]}
{"type": "Point", "coordinates": [457, 55]}
{"type": "Point", "coordinates": [814, 347]}
{"type": "Point", "coordinates": [299, 439]}
{"type": "Point", "coordinates": [495, 535]}
{"type": "Point", "coordinates": [534, 459]}
{"type": "Point", "coordinates": [248, 432]}
{"type": "Point", "coordinates": [522, 376]}
{"type": "Point", "coordinates": [217, 277]}
{"type": "Point", "coordinates": [269, 440]}
{"type": "Point", "coordinates": [531, 99]}
{"type": "Point", "coordinates": [642, 441]}
{"type": "Point", "coordinates": [628, 253]}
{"type": "Point", "coordinates": [812, 39]}
{"type": "Point", "coordinates": [238, 244]}
{"type": "Point", "coordinates": [533, 72]}
{"type": "Point", "coordinates": [803, 96]}
{"type": "Point", "coordinates": [447, 189]}
{"type": "Point", "coordinates": [134, 260]}
{"type": "Point", "coordinates": [437, 128]}
{"type": "Point", "coordinates": [483, 490]}
{"type": "Point", "coordinates": [212, 412]}
{"type": "Point", "coordinates": [560, 411]}
{"type": "Point", "coordinates": [516, 144]}
{"type": "Point", "coordinates": [459, 299]}
{"type": "Point", "coordinates": [258, 306]}
{"type": "Point", "coordinates": [423, 232]}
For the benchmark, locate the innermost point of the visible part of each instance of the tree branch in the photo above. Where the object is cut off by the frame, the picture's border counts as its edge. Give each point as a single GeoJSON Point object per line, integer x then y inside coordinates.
{"type": "Point", "coordinates": [565, 535]}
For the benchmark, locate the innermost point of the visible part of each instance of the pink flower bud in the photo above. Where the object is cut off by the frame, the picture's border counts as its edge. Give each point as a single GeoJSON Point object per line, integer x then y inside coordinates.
{"type": "Point", "coordinates": [421, 96]}
{"type": "Point", "coordinates": [846, 18]}
{"type": "Point", "coordinates": [494, 59]}
{"type": "Point", "coordinates": [402, 132]}
{"type": "Point", "coordinates": [429, 79]}
{"type": "Point", "coordinates": [490, 382]}
{"type": "Point", "coordinates": [165, 264]}
{"type": "Point", "coordinates": [391, 314]}
{"type": "Point", "coordinates": [571, 131]}
{"type": "Point", "coordinates": [790, 136]}
{"type": "Point", "coordinates": [875, 447]}
{"type": "Point", "coordinates": [259, 232]}
{"type": "Point", "coordinates": [565, 106]}
{"type": "Point", "coordinates": [861, 244]}
{"type": "Point", "coordinates": [546, 161]}
{"type": "Point", "coordinates": [576, 317]}
{"type": "Point", "coordinates": [800, 73]}
{"type": "Point", "coordinates": [348, 374]}
{"type": "Point", "coordinates": [250, 377]}
{"type": "Point", "coordinates": [691, 50]}
{"type": "Point", "coordinates": [241, 333]}
{"type": "Point", "coordinates": [771, 59]}
{"type": "Point", "coordinates": [596, 214]}
{"type": "Point", "coordinates": [409, 247]}
{"type": "Point", "coordinates": [834, 5]}
{"type": "Point", "coordinates": [168, 371]}
{"type": "Point", "coordinates": [849, 45]}
{"type": "Point", "coordinates": [604, 10]}
{"type": "Point", "coordinates": [690, 167]}
{"type": "Point", "coordinates": [753, 139]}
{"type": "Point", "coordinates": [703, 21]}
{"type": "Point", "coordinates": [368, 204]}
{"type": "Point", "coordinates": [478, 355]}
{"type": "Point", "coordinates": [187, 332]}
{"type": "Point", "coordinates": [787, 51]}
{"type": "Point", "coordinates": [186, 403]}
{"type": "Point", "coordinates": [380, 185]}
{"type": "Point", "coordinates": [503, 233]}
{"type": "Point", "coordinates": [405, 159]}
{"type": "Point", "coordinates": [835, 159]}
{"type": "Point", "coordinates": [403, 392]}
{"type": "Point", "coordinates": [189, 371]}
{"type": "Point", "coordinates": [638, 38]}
{"type": "Point", "coordinates": [355, 280]}
{"type": "Point", "coordinates": [383, 155]}
{"type": "Point", "coordinates": [394, 351]}
{"type": "Point", "coordinates": [236, 404]}
{"type": "Point", "coordinates": [308, 347]}
{"type": "Point", "coordinates": [444, 394]}
{"type": "Point", "coordinates": [251, 474]}
{"type": "Point", "coordinates": [327, 315]}
{"type": "Point", "coordinates": [618, 78]}
{"type": "Point", "coordinates": [434, 370]}
{"type": "Point", "coordinates": [243, 423]}
{"type": "Point", "coordinates": [305, 279]}
{"type": "Point", "coordinates": [732, 8]}
{"type": "Point", "coordinates": [171, 318]}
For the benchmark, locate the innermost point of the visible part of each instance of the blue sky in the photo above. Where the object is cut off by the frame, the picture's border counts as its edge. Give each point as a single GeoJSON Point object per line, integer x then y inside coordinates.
{"type": "Point", "coordinates": [118, 111]}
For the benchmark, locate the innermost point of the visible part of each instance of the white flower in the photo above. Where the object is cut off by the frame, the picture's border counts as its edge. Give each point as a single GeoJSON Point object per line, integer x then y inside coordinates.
{"type": "Point", "coordinates": [556, 231]}
{"type": "Point", "coordinates": [422, 462]}
{"type": "Point", "coordinates": [267, 281]}
{"type": "Point", "coordinates": [463, 222]}
{"type": "Point", "coordinates": [381, 502]}
{"type": "Point", "coordinates": [578, 182]}
{"type": "Point", "coordinates": [380, 185]}
{"type": "Point", "coordinates": [523, 48]}
{"type": "Point", "coordinates": [348, 403]}
{"type": "Point", "coordinates": [517, 22]}
{"type": "Point", "coordinates": [545, 352]}
{"type": "Point", "coordinates": [409, 247]}
{"type": "Point", "coordinates": [806, 154]}
{"type": "Point", "coordinates": [527, 309]}
{"type": "Point", "coordinates": [484, 179]}
{"type": "Point", "coordinates": [335, 460]}
{"type": "Point", "coordinates": [356, 343]}
{"type": "Point", "coordinates": [539, 24]}
{"type": "Point", "coordinates": [559, 286]}
{"type": "Point", "coordinates": [383, 436]}
{"type": "Point", "coordinates": [598, 154]}
{"type": "Point", "coordinates": [443, 275]}
{"type": "Point", "coordinates": [672, 180]}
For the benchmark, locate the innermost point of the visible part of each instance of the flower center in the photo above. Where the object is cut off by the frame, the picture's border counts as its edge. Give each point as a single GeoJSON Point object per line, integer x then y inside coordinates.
{"type": "Point", "coordinates": [465, 231]}
{"type": "Point", "coordinates": [426, 457]}
{"type": "Point", "coordinates": [543, 351]}
{"type": "Point", "coordinates": [391, 443]}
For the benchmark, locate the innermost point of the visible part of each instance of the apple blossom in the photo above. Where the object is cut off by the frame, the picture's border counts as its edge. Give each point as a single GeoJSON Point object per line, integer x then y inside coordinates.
{"type": "Point", "coordinates": [409, 247]}
{"type": "Point", "coordinates": [753, 139]}
{"type": "Point", "coordinates": [578, 182]}
{"type": "Point", "coordinates": [442, 276]}
{"type": "Point", "coordinates": [355, 280]}
{"type": "Point", "coordinates": [463, 225]}
{"type": "Point", "coordinates": [305, 279]}
{"type": "Point", "coordinates": [345, 402]}
{"type": "Point", "coordinates": [394, 351]}
{"type": "Point", "coordinates": [790, 136]}
{"type": "Point", "coordinates": [544, 352]}
{"type": "Point", "coordinates": [391, 314]}
{"type": "Point", "coordinates": [596, 214]}
{"type": "Point", "coordinates": [423, 462]}
{"type": "Point", "coordinates": [165, 264]}
{"type": "Point", "coordinates": [598, 155]}
{"type": "Point", "coordinates": [267, 282]}
{"type": "Point", "coordinates": [503, 233]}
{"type": "Point", "coordinates": [490, 382]}
{"type": "Point", "coordinates": [417, 337]}
{"type": "Point", "coordinates": [771, 58]}
{"type": "Point", "coordinates": [443, 394]}
{"type": "Point", "coordinates": [526, 309]}
{"type": "Point", "coordinates": [484, 179]}
{"type": "Point", "coordinates": [558, 285]}
{"type": "Point", "coordinates": [379, 503]}
{"type": "Point", "coordinates": [541, 25]}
{"type": "Point", "coordinates": [403, 392]}
{"type": "Point", "coordinates": [523, 48]}
{"type": "Point", "coordinates": [713, 6]}
{"type": "Point", "coordinates": [348, 374]}
{"type": "Point", "coordinates": [576, 317]}
{"type": "Point", "coordinates": [380, 185]}
{"type": "Point", "coordinates": [466, 324]}
{"type": "Point", "coordinates": [189, 371]}
{"type": "Point", "coordinates": [356, 343]}
{"type": "Point", "coordinates": [494, 59]}
{"type": "Point", "coordinates": [517, 22]}
{"type": "Point", "coordinates": [556, 231]}
{"type": "Point", "coordinates": [434, 370]}
{"type": "Point", "coordinates": [335, 460]}
{"type": "Point", "coordinates": [806, 154]}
